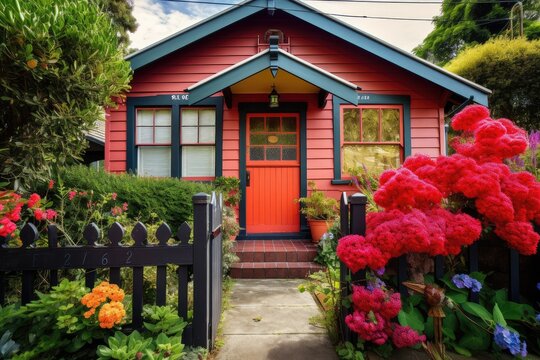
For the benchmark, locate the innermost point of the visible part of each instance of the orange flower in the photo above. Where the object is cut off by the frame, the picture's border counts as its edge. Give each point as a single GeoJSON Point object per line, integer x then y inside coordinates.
{"type": "Point", "coordinates": [110, 313]}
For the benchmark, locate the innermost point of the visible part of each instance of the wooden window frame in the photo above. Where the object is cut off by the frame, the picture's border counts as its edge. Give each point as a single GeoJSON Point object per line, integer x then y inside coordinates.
{"type": "Point", "coordinates": [153, 143]}
{"type": "Point", "coordinates": [198, 126]}
{"type": "Point", "coordinates": [378, 107]}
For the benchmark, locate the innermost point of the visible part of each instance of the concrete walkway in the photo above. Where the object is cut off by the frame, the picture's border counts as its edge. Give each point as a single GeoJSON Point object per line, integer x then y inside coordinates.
{"type": "Point", "coordinates": [269, 319]}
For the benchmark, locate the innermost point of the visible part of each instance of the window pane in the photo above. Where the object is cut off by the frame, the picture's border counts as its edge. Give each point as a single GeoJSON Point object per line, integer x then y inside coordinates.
{"type": "Point", "coordinates": [272, 124]}
{"type": "Point", "coordinates": [370, 125]}
{"type": "Point", "coordinates": [207, 117]}
{"type": "Point", "coordinates": [258, 139]}
{"type": "Point", "coordinates": [154, 161]}
{"type": "Point", "coordinates": [207, 134]}
{"type": "Point", "coordinates": [390, 125]}
{"type": "Point", "coordinates": [287, 139]}
{"type": "Point", "coordinates": [351, 125]}
{"type": "Point", "coordinates": [289, 124]}
{"type": "Point", "coordinates": [163, 117]}
{"type": "Point", "coordinates": [289, 153]}
{"type": "Point", "coordinates": [256, 124]}
{"type": "Point", "coordinates": [145, 117]}
{"type": "Point", "coordinates": [273, 153]}
{"type": "Point", "coordinates": [190, 117]}
{"type": "Point", "coordinates": [198, 161]}
{"type": "Point", "coordinates": [256, 153]}
{"type": "Point", "coordinates": [145, 135]}
{"type": "Point", "coordinates": [163, 135]}
{"type": "Point", "coordinates": [376, 158]}
{"type": "Point", "coordinates": [189, 135]}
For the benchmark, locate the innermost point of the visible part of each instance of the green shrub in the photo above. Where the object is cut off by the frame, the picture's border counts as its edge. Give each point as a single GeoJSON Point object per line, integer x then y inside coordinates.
{"type": "Point", "coordinates": [168, 198]}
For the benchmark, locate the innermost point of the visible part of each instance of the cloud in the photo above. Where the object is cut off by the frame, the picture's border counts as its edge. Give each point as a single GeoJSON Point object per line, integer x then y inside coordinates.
{"type": "Point", "coordinates": [158, 19]}
{"type": "Point", "coordinates": [156, 22]}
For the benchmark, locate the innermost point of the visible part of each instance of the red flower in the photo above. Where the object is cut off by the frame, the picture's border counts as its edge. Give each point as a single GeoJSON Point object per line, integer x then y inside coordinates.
{"type": "Point", "coordinates": [468, 118]}
{"type": "Point", "coordinates": [404, 336]}
{"type": "Point", "coordinates": [369, 326]}
{"type": "Point", "coordinates": [113, 196]}
{"type": "Point", "coordinates": [520, 235]}
{"type": "Point", "coordinates": [51, 184]}
{"type": "Point", "coordinates": [6, 227]}
{"type": "Point", "coordinates": [357, 254]}
{"type": "Point", "coordinates": [71, 195]}
{"type": "Point", "coordinates": [50, 214]}
{"type": "Point", "coordinates": [125, 206]}
{"type": "Point", "coordinates": [40, 214]}
{"type": "Point", "coordinates": [33, 200]}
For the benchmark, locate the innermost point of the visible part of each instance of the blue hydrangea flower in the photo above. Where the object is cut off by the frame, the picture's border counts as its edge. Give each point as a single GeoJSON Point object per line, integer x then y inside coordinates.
{"type": "Point", "coordinates": [381, 271]}
{"type": "Point", "coordinates": [509, 340]}
{"type": "Point", "coordinates": [464, 281]}
{"type": "Point", "coordinates": [538, 318]}
{"type": "Point", "coordinates": [375, 283]}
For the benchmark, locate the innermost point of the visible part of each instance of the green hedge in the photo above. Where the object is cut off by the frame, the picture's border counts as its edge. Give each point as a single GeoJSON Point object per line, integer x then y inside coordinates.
{"type": "Point", "coordinates": [169, 198]}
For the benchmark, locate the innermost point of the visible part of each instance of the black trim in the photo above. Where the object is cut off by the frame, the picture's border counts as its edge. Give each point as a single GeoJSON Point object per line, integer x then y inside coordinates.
{"type": "Point", "coordinates": [176, 103]}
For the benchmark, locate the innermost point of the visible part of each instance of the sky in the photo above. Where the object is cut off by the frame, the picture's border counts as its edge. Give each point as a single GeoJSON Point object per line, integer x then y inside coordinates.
{"type": "Point", "coordinates": [160, 18]}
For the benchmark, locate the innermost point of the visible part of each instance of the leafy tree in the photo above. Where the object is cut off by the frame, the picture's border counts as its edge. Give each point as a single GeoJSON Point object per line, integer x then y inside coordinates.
{"type": "Point", "coordinates": [120, 12]}
{"type": "Point", "coordinates": [470, 22]}
{"type": "Point", "coordinates": [60, 64]}
{"type": "Point", "coordinates": [510, 69]}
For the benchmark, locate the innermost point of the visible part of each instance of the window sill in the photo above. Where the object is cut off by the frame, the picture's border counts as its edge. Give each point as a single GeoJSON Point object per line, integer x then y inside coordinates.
{"type": "Point", "coordinates": [340, 182]}
{"type": "Point", "coordinates": [198, 178]}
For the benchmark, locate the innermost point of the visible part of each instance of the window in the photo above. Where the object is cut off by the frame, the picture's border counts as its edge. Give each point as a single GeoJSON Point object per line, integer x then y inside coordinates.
{"type": "Point", "coordinates": [198, 138]}
{"type": "Point", "coordinates": [372, 136]}
{"type": "Point", "coordinates": [153, 140]}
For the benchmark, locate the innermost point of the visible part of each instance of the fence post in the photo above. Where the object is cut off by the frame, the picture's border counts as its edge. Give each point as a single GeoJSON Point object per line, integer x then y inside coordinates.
{"type": "Point", "coordinates": [201, 269]}
{"type": "Point", "coordinates": [357, 221]}
{"type": "Point", "coordinates": [353, 221]}
{"type": "Point", "coordinates": [513, 294]}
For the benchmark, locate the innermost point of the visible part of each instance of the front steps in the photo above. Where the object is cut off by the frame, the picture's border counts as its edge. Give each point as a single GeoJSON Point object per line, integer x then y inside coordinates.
{"type": "Point", "coordinates": [274, 259]}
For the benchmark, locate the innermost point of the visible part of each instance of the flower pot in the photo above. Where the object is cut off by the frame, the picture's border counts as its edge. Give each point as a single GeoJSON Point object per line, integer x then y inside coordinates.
{"type": "Point", "coordinates": [317, 229]}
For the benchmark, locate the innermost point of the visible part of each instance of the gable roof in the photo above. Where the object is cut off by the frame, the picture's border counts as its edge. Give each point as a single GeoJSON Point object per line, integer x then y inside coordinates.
{"type": "Point", "coordinates": [354, 36]}
{"type": "Point", "coordinates": [273, 59]}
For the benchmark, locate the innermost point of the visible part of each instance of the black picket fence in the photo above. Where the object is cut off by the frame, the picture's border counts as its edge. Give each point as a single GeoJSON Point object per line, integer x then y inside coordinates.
{"type": "Point", "coordinates": [353, 221]}
{"type": "Point", "coordinates": [201, 259]}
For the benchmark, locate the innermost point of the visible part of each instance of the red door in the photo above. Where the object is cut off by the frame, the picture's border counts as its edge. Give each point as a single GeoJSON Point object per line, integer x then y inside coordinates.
{"type": "Point", "coordinates": [273, 168]}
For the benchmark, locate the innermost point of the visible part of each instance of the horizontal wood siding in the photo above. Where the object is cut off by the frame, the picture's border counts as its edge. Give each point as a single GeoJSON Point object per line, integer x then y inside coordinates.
{"type": "Point", "coordinates": [176, 72]}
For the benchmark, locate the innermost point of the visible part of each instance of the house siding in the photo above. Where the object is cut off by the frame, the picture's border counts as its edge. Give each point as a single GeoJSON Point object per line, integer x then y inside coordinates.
{"type": "Point", "coordinates": [177, 71]}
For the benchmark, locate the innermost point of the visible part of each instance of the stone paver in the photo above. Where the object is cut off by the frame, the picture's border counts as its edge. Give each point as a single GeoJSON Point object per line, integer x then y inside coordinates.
{"type": "Point", "coordinates": [269, 319]}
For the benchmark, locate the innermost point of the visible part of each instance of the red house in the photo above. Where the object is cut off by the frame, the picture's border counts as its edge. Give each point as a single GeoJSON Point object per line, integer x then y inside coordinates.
{"type": "Point", "coordinates": [199, 108]}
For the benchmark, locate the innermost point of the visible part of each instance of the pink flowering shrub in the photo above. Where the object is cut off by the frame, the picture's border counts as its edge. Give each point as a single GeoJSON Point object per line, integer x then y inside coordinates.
{"type": "Point", "coordinates": [372, 318]}
{"type": "Point", "coordinates": [12, 211]}
{"type": "Point", "coordinates": [415, 219]}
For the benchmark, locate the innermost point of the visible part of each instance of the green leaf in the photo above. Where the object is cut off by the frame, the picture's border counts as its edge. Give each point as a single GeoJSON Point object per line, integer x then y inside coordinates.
{"type": "Point", "coordinates": [457, 297]}
{"type": "Point", "coordinates": [476, 341]}
{"type": "Point", "coordinates": [460, 350]}
{"type": "Point", "coordinates": [413, 318]}
{"type": "Point", "coordinates": [498, 316]}
{"type": "Point", "coordinates": [477, 310]}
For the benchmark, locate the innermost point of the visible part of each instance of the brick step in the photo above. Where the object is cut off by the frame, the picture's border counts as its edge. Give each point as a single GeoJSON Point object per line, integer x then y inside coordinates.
{"type": "Point", "coordinates": [274, 270]}
{"type": "Point", "coordinates": [274, 259]}
{"type": "Point", "coordinates": [275, 250]}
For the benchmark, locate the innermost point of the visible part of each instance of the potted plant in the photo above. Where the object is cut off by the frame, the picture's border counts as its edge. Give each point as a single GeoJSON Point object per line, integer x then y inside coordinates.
{"type": "Point", "coordinates": [320, 211]}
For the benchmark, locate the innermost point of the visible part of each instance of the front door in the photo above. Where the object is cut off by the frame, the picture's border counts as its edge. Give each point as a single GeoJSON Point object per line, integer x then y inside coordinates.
{"type": "Point", "coordinates": [272, 173]}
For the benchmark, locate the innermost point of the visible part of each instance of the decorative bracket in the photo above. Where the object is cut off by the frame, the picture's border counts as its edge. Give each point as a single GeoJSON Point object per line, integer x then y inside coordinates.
{"type": "Point", "coordinates": [274, 51]}
{"type": "Point", "coordinates": [321, 98]}
{"type": "Point", "coordinates": [227, 96]}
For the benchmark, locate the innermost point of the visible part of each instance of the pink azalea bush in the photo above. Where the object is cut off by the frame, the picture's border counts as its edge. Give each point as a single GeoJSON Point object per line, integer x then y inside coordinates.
{"type": "Point", "coordinates": [416, 216]}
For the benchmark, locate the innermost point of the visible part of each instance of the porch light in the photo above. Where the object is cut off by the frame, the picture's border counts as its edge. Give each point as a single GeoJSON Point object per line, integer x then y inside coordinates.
{"type": "Point", "coordinates": [273, 98]}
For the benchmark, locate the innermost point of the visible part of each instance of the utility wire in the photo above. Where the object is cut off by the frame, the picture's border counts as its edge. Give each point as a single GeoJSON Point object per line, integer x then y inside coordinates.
{"type": "Point", "coordinates": [478, 21]}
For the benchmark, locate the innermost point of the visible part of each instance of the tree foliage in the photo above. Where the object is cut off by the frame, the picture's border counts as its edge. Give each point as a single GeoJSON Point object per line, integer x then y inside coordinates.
{"type": "Point", "coordinates": [120, 12]}
{"type": "Point", "coordinates": [510, 69]}
{"type": "Point", "coordinates": [60, 64]}
{"type": "Point", "coordinates": [470, 22]}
